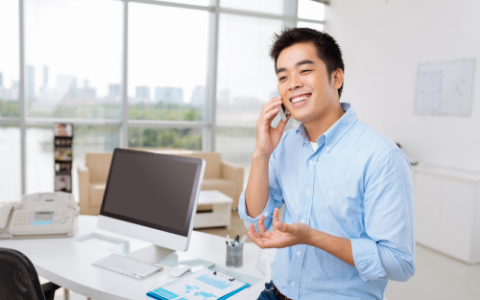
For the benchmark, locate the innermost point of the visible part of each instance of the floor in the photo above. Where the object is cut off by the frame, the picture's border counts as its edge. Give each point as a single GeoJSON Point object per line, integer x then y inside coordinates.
{"type": "Point", "coordinates": [437, 278]}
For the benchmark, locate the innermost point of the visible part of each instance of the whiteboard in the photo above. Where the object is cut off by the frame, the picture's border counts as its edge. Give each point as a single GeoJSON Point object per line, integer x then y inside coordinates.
{"type": "Point", "coordinates": [444, 88]}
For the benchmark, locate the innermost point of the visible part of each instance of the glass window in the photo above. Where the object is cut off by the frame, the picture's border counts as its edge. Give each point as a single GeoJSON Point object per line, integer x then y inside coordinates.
{"type": "Point", "coordinates": [308, 9]}
{"type": "Point", "coordinates": [246, 81]}
{"type": "Point", "coordinates": [193, 2]}
{"type": "Point", "coordinates": [277, 7]}
{"type": "Point", "coordinates": [9, 58]}
{"type": "Point", "coordinates": [167, 62]}
{"type": "Point", "coordinates": [165, 138]}
{"type": "Point", "coordinates": [10, 176]}
{"type": "Point", "coordinates": [73, 52]}
{"type": "Point", "coordinates": [315, 26]}
{"type": "Point", "coordinates": [40, 157]}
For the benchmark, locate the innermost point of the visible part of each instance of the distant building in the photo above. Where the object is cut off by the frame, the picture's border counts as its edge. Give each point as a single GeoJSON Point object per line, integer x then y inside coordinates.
{"type": "Point", "coordinates": [142, 93]}
{"type": "Point", "coordinates": [169, 95]}
{"type": "Point", "coordinates": [30, 84]}
{"type": "Point", "coordinates": [198, 96]}
{"type": "Point", "coordinates": [45, 78]}
{"type": "Point", "coordinates": [246, 101]}
{"type": "Point", "coordinates": [64, 84]}
{"type": "Point", "coordinates": [114, 90]}
{"type": "Point", "coordinates": [224, 97]}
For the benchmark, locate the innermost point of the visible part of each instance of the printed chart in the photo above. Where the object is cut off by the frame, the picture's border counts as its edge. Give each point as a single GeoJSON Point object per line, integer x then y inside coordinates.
{"type": "Point", "coordinates": [201, 285]}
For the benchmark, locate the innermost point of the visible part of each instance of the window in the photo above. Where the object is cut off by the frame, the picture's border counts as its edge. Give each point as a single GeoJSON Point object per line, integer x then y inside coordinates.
{"type": "Point", "coordinates": [165, 138]}
{"type": "Point", "coordinates": [10, 163]}
{"type": "Point", "coordinates": [40, 156]}
{"type": "Point", "coordinates": [167, 63]}
{"type": "Point", "coordinates": [9, 59]}
{"type": "Point", "coordinates": [76, 61]}
{"type": "Point", "coordinates": [73, 58]}
{"type": "Point", "coordinates": [246, 81]}
{"type": "Point", "coordinates": [308, 9]}
{"type": "Point", "coordinates": [276, 7]}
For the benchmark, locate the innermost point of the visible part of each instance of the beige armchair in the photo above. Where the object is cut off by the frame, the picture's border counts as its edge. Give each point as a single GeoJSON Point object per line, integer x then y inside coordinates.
{"type": "Point", "coordinates": [219, 175]}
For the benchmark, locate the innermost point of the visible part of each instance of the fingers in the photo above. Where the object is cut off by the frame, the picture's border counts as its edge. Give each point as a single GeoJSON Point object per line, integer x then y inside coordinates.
{"type": "Point", "coordinates": [277, 101]}
{"type": "Point", "coordinates": [283, 227]}
{"type": "Point", "coordinates": [254, 236]}
{"type": "Point", "coordinates": [281, 125]}
{"type": "Point", "coordinates": [275, 214]}
{"type": "Point", "coordinates": [270, 110]}
{"type": "Point", "coordinates": [261, 227]}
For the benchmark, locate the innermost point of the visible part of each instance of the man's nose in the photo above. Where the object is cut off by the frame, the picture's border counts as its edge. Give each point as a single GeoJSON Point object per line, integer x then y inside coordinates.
{"type": "Point", "coordinates": [294, 83]}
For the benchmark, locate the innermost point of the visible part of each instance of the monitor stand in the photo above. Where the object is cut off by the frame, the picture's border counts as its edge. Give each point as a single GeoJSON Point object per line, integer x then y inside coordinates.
{"type": "Point", "coordinates": [151, 254]}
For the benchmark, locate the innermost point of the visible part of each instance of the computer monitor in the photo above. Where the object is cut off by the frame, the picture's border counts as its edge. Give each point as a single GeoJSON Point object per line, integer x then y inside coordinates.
{"type": "Point", "coordinates": [152, 197]}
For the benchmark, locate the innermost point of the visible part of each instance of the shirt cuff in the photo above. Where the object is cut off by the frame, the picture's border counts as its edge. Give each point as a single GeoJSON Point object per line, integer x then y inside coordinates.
{"type": "Point", "coordinates": [367, 259]}
{"type": "Point", "coordinates": [267, 212]}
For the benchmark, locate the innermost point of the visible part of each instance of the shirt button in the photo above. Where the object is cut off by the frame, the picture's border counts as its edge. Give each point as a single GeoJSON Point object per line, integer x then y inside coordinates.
{"type": "Point", "coordinates": [292, 283]}
{"type": "Point", "coordinates": [328, 148]}
{"type": "Point", "coordinates": [302, 221]}
{"type": "Point", "coordinates": [306, 192]}
{"type": "Point", "coordinates": [310, 162]}
{"type": "Point", "coordinates": [299, 253]}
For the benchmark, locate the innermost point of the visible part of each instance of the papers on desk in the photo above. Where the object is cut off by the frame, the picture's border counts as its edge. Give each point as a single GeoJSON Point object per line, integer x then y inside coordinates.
{"type": "Point", "coordinates": [201, 285]}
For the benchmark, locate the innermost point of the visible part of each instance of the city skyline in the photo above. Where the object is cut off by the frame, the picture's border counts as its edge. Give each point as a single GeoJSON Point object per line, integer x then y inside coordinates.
{"type": "Point", "coordinates": [66, 88]}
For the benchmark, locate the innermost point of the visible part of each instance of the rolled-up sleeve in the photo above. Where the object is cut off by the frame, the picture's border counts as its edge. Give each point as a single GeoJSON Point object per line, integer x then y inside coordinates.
{"type": "Point", "coordinates": [387, 250]}
{"type": "Point", "coordinates": [275, 199]}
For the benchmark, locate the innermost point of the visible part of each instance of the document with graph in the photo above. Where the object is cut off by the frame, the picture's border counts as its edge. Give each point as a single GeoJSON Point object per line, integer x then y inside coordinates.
{"type": "Point", "coordinates": [204, 284]}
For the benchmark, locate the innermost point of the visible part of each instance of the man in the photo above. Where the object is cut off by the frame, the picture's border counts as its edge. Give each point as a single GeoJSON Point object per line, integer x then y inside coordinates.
{"type": "Point", "coordinates": [348, 225]}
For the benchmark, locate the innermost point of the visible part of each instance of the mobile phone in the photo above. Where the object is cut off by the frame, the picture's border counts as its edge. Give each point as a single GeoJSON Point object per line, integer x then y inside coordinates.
{"type": "Point", "coordinates": [283, 113]}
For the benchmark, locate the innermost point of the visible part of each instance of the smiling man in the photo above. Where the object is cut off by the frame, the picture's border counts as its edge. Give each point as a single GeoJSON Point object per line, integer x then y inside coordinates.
{"type": "Point", "coordinates": [348, 225]}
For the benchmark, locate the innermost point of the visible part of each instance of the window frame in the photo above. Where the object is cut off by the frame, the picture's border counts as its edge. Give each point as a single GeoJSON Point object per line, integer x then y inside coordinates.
{"type": "Point", "coordinates": [208, 126]}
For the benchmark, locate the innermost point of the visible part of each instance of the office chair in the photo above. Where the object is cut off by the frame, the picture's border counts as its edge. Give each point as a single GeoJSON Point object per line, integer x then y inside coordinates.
{"type": "Point", "coordinates": [19, 279]}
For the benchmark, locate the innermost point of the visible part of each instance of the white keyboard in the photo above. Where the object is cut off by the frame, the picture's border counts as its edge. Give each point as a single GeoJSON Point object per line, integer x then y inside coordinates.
{"type": "Point", "coordinates": [127, 266]}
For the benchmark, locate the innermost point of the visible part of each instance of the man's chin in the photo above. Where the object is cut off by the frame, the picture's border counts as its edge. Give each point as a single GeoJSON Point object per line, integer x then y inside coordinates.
{"type": "Point", "coordinates": [302, 118]}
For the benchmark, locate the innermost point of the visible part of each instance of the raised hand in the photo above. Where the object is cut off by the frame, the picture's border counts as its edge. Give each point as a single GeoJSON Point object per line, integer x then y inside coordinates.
{"type": "Point", "coordinates": [268, 137]}
{"type": "Point", "coordinates": [285, 235]}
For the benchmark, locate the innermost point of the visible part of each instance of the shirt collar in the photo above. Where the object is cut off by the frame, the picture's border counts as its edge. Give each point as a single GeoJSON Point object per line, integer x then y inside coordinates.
{"type": "Point", "coordinates": [336, 132]}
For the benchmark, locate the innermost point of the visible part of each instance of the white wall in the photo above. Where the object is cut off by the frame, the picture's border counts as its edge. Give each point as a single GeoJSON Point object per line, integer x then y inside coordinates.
{"type": "Point", "coordinates": [383, 41]}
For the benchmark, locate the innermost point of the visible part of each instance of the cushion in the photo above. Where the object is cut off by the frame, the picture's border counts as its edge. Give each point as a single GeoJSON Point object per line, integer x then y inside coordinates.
{"type": "Point", "coordinates": [96, 194]}
{"type": "Point", "coordinates": [222, 185]}
{"type": "Point", "coordinates": [98, 164]}
{"type": "Point", "coordinates": [213, 168]}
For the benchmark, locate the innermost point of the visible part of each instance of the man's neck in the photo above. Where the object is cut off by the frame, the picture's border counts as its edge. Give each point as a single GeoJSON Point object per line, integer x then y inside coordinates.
{"type": "Point", "coordinates": [319, 126]}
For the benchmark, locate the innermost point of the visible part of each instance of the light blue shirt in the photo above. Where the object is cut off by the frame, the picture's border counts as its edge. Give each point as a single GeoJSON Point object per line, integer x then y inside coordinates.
{"type": "Point", "coordinates": [356, 185]}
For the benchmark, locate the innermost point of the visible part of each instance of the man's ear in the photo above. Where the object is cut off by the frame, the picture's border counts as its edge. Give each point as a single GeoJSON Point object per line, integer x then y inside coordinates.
{"type": "Point", "coordinates": [337, 78]}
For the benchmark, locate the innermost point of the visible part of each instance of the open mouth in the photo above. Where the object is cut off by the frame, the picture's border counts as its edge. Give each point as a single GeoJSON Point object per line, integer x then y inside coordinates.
{"type": "Point", "coordinates": [300, 98]}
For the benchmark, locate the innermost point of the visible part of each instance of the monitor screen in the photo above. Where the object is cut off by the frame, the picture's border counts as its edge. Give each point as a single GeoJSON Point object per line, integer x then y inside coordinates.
{"type": "Point", "coordinates": [153, 190]}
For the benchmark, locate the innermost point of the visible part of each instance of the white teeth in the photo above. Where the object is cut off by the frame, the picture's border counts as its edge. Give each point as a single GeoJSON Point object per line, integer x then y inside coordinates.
{"type": "Point", "coordinates": [298, 99]}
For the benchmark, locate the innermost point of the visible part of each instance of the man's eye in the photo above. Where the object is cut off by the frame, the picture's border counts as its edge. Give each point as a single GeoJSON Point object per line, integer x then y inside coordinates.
{"type": "Point", "coordinates": [281, 78]}
{"type": "Point", "coordinates": [305, 71]}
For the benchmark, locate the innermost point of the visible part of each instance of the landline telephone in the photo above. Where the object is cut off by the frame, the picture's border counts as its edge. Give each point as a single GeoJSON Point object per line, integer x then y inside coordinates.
{"type": "Point", "coordinates": [39, 215]}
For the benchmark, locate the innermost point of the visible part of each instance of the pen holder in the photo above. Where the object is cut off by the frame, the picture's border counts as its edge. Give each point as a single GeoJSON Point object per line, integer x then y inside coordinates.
{"type": "Point", "coordinates": [234, 256]}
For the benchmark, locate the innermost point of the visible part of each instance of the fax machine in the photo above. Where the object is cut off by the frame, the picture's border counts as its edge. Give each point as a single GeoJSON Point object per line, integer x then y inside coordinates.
{"type": "Point", "coordinates": [39, 215]}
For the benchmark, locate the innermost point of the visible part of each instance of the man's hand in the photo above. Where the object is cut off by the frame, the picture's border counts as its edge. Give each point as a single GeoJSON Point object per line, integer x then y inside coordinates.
{"type": "Point", "coordinates": [256, 195]}
{"type": "Point", "coordinates": [285, 235]}
{"type": "Point", "coordinates": [267, 136]}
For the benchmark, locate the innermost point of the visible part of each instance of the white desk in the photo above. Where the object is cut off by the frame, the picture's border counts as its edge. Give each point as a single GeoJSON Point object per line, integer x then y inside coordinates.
{"type": "Point", "coordinates": [221, 213]}
{"type": "Point", "coordinates": [68, 263]}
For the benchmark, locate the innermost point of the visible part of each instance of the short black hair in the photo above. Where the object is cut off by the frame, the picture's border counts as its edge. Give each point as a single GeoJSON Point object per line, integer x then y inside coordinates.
{"type": "Point", "coordinates": [327, 48]}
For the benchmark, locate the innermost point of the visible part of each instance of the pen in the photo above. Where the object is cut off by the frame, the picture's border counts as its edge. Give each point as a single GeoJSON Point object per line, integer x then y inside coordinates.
{"type": "Point", "coordinates": [244, 239]}
{"type": "Point", "coordinates": [235, 243]}
{"type": "Point", "coordinates": [228, 240]}
{"type": "Point", "coordinates": [237, 238]}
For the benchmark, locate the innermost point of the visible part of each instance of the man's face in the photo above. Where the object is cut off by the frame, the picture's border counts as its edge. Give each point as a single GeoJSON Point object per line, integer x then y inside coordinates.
{"type": "Point", "coordinates": [303, 82]}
